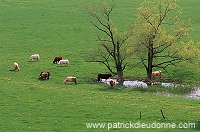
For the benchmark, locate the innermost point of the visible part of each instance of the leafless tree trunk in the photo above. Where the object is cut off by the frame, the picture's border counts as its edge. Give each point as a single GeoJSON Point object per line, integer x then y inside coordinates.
{"type": "Point", "coordinates": [113, 43]}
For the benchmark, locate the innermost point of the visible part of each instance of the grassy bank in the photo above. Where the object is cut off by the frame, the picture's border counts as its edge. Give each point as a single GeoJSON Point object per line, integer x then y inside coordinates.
{"type": "Point", "coordinates": [33, 107]}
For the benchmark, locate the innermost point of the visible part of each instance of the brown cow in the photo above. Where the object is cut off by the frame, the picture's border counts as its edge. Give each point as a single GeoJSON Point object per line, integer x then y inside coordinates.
{"type": "Point", "coordinates": [44, 75]}
{"type": "Point", "coordinates": [57, 59]}
{"type": "Point", "coordinates": [103, 76]}
{"type": "Point", "coordinates": [112, 83]}
{"type": "Point", "coordinates": [157, 73]}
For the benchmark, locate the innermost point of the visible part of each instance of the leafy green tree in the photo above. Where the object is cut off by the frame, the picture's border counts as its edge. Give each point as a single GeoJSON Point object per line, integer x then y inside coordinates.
{"type": "Point", "coordinates": [159, 35]}
{"type": "Point", "coordinates": [114, 49]}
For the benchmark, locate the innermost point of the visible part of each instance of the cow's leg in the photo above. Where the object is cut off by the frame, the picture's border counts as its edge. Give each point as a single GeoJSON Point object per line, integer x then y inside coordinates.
{"type": "Point", "coordinates": [47, 76]}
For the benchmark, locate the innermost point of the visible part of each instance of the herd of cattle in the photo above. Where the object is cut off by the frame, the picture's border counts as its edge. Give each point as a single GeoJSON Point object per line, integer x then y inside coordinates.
{"type": "Point", "coordinates": [44, 75]}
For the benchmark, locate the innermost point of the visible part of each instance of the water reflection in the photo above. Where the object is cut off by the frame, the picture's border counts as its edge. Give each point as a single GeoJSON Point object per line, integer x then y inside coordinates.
{"type": "Point", "coordinates": [195, 94]}
{"type": "Point", "coordinates": [127, 83]}
{"type": "Point", "coordinates": [167, 85]}
{"type": "Point", "coordinates": [135, 84]}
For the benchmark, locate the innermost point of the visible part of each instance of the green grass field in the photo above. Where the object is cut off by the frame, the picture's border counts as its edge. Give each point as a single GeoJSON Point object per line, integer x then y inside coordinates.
{"type": "Point", "coordinates": [51, 28]}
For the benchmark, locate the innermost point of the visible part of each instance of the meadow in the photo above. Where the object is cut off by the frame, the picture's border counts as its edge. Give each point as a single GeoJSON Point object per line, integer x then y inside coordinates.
{"type": "Point", "coordinates": [52, 28]}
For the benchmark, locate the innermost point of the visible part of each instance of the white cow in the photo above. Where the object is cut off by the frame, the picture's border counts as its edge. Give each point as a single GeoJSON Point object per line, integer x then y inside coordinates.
{"type": "Point", "coordinates": [61, 62]}
{"type": "Point", "coordinates": [34, 57]}
{"type": "Point", "coordinates": [70, 79]}
{"type": "Point", "coordinates": [16, 66]}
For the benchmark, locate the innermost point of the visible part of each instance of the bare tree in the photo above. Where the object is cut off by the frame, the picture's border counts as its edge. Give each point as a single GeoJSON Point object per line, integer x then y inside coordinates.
{"type": "Point", "coordinates": [114, 49]}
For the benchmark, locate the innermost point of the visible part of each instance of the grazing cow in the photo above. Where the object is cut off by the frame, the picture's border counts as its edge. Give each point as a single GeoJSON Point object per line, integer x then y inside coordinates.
{"type": "Point", "coordinates": [112, 83]}
{"type": "Point", "coordinates": [34, 57]}
{"type": "Point", "coordinates": [57, 59]}
{"type": "Point", "coordinates": [63, 62]}
{"type": "Point", "coordinates": [16, 66]}
{"type": "Point", "coordinates": [157, 73]}
{"type": "Point", "coordinates": [44, 75]}
{"type": "Point", "coordinates": [103, 76]}
{"type": "Point", "coordinates": [70, 79]}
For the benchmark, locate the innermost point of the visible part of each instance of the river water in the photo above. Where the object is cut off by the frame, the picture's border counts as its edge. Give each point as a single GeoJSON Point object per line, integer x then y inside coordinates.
{"type": "Point", "coordinates": [195, 94]}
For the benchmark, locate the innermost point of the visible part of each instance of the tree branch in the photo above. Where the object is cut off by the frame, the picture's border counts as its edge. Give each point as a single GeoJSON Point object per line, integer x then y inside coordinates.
{"type": "Point", "coordinates": [170, 62]}
{"type": "Point", "coordinates": [100, 28]}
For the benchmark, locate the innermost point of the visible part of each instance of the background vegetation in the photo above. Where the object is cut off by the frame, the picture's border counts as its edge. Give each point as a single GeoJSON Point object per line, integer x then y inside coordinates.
{"type": "Point", "coordinates": [52, 28]}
